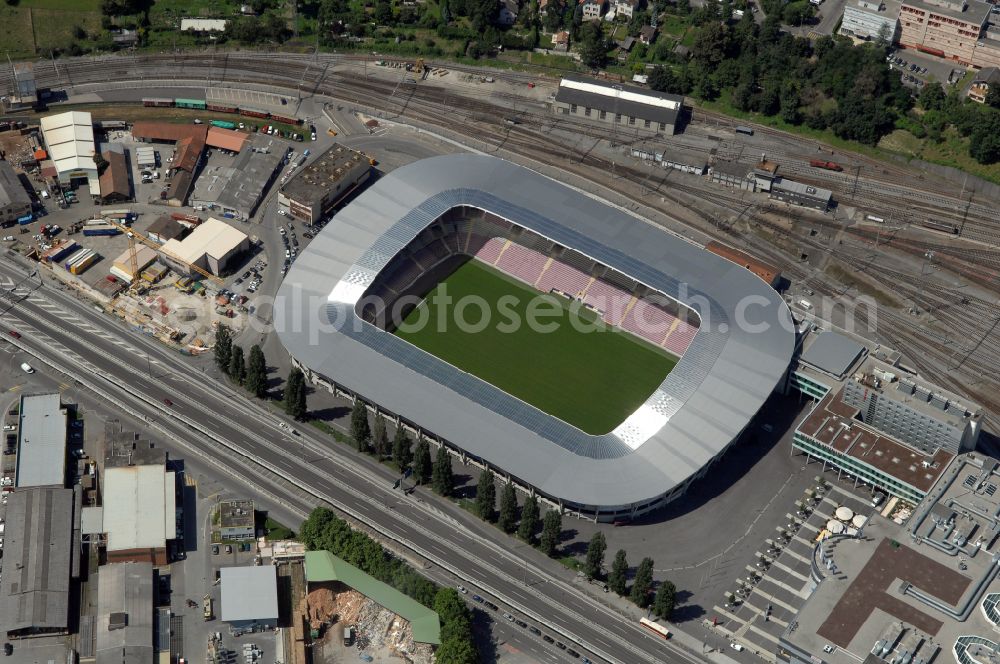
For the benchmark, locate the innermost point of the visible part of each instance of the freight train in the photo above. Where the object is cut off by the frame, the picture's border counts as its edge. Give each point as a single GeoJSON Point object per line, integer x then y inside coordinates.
{"type": "Point", "coordinates": [219, 108]}
{"type": "Point", "coordinates": [828, 165]}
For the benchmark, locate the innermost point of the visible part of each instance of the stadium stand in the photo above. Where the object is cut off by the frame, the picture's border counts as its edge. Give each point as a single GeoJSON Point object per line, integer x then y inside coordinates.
{"type": "Point", "coordinates": [558, 276]}
{"type": "Point", "coordinates": [489, 252]}
{"type": "Point", "coordinates": [610, 300]}
{"type": "Point", "coordinates": [521, 263]}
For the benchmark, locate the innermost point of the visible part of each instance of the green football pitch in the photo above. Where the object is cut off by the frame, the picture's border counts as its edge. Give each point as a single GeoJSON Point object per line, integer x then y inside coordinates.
{"type": "Point", "coordinates": [589, 375]}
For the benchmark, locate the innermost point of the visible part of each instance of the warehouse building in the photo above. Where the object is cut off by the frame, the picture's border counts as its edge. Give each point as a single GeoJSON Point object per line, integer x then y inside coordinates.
{"type": "Point", "coordinates": [189, 142]}
{"type": "Point", "coordinates": [315, 189]}
{"type": "Point", "coordinates": [38, 562]}
{"type": "Point", "coordinates": [626, 106]}
{"type": "Point", "coordinates": [734, 174]}
{"type": "Point", "coordinates": [115, 185]}
{"type": "Point", "coordinates": [69, 140]}
{"type": "Point", "coordinates": [226, 139]}
{"type": "Point", "coordinates": [139, 508]}
{"type": "Point", "coordinates": [323, 569]}
{"type": "Point", "coordinates": [24, 96]}
{"type": "Point", "coordinates": [236, 520]}
{"type": "Point", "coordinates": [250, 597]}
{"type": "Point", "coordinates": [15, 204]}
{"type": "Point", "coordinates": [41, 443]}
{"type": "Point", "coordinates": [164, 229]}
{"type": "Point", "coordinates": [211, 246]}
{"type": "Point", "coordinates": [124, 622]}
{"type": "Point", "coordinates": [236, 191]}
{"type": "Point", "coordinates": [796, 193]}
{"type": "Point", "coordinates": [871, 20]}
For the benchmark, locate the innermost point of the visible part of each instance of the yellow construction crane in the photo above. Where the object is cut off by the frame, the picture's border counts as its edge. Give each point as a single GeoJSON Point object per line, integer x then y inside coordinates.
{"type": "Point", "coordinates": [134, 235]}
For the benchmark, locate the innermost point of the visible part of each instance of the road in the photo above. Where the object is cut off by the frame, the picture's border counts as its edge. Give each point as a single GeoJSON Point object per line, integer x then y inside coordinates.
{"type": "Point", "coordinates": [238, 437]}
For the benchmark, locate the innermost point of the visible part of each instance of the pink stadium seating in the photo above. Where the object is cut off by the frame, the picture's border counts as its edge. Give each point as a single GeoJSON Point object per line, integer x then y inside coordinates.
{"type": "Point", "coordinates": [562, 277]}
{"type": "Point", "coordinates": [647, 321]}
{"type": "Point", "coordinates": [490, 251]}
{"type": "Point", "coordinates": [609, 299]}
{"type": "Point", "coordinates": [679, 340]}
{"type": "Point", "coordinates": [521, 263]}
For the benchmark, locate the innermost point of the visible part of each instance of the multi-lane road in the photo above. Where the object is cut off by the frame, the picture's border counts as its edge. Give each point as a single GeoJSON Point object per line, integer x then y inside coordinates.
{"type": "Point", "coordinates": [237, 436]}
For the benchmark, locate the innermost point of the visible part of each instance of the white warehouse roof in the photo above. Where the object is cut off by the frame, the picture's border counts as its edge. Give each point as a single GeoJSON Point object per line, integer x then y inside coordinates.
{"type": "Point", "coordinates": [249, 593]}
{"type": "Point", "coordinates": [69, 138]}
{"type": "Point", "coordinates": [213, 238]}
{"type": "Point", "coordinates": [41, 453]}
{"type": "Point", "coordinates": [139, 507]}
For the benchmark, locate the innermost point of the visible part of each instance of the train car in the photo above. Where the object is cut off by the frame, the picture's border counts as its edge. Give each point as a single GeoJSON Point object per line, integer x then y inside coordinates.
{"type": "Point", "coordinates": [223, 124]}
{"type": "Point", "coordinates": [222, 108]}
{"type": "Point", "coordinates": [190, 103]}
{"type": "Point", "coordinates": [940, 227]}
{"type": "Point", "coordinates": [828, 165]}
{"type": "Point", "coordinates": [744, 130]}
{"type": "Point", "coordinates": [250, 113]}
{"type": "Point", "coordinates": [287, 120]}
{"type": "Point", "coordinates": [153, 101]}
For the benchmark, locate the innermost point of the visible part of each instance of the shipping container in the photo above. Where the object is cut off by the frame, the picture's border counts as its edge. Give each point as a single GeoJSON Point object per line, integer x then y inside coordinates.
{"type": "Point", "coordinates": [63, 251]}
{"type": "Point", "coordinates": [190, 103]}
{"type": "Point", "coordinates": [223, 124]}
{"type": "Point", "coordinates": [103, 229]}
{"type": "Point", "coordinates": [81, 266]}
{"type": "Point", "coordinates": [79, 254]}
{"type": "Point", "coordinates": [117, 214]}
{"type": "Point", "coordinates": [152, 101]}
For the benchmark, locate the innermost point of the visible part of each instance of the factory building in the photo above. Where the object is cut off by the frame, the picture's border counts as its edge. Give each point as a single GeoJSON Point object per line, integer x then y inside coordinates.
{"type": "Point", "coordinates": [871, 20]}
{"type": "Point", "coordinates": [235, 192]}
{"type": "Point", "coordinates": [250, 597]}
{"type": "Point", "coordinates": [123, 629]}
{"type": "Point", "coordinates": [949, 29]}
{"type": "Point", "coordinates": [796, 193]}
{"type": "Point", "coordinates": [631, 108]}
{"type": "Point", "coordinates": [69, 140]}
{"type": "Point", "coordinates": [236, 520]}
{"type": "Point", "coordinates": [315, 189]}
{"type": "Point", "coordinates": [41, 556]}
{"type": "Point", "coordinates": [115, 186]}
{"type": "Point", "coordinates": [211, 246]}
{"type": "Point", "coordinates": [911, 589]}
{"type": "Point", "coordinates": [15, 204]}
{"type": "Point", "coordinates": [41, 442]}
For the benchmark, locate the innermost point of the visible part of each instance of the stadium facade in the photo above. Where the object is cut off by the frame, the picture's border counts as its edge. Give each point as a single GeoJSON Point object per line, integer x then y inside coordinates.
{"type": "Point", "coordinates": [437, 208]}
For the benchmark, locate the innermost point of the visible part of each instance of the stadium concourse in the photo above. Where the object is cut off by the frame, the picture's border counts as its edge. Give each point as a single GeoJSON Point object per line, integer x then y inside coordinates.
{"type": "Point", "coordinates": [415, 227]}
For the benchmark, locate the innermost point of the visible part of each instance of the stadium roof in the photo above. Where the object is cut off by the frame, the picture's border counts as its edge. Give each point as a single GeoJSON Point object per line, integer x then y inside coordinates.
{"type": "Point", "coordinates": [740, 354]}
{"type": "Point", "coordinates": [249, 593]}
{"type": "Point", "coordinates": [139, 507]}
{"type": "Point", "coordinates": [324, 566]}
{"type": "Point", "coordinates": [41, 453]}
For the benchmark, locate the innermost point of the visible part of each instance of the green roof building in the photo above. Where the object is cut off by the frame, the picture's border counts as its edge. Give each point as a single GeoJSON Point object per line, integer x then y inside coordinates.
{"type": "Point", "coordinates": [323, 566]}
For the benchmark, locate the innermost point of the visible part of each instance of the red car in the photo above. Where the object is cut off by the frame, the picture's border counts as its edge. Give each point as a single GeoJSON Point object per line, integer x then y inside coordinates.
{"type": "Point", "coordinates": [15, 334]}
{"type": "Point", "coordinates": [168, 402]}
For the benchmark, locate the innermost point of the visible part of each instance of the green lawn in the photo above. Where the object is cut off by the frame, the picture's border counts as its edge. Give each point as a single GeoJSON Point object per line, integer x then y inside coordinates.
{"type": "Point", "coordinates": [592, 380]}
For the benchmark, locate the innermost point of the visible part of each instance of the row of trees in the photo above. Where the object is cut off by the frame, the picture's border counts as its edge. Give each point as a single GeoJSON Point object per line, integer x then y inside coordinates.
{"type": "Point", "coordinates": [323, 530]}
{"type": "Point", "coordinates": [229, 358]}
{"type": "Point", "coordinates": [642, 585]}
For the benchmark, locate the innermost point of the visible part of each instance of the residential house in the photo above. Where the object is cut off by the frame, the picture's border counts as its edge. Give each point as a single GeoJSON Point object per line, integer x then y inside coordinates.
{"type": "Point", "coordinates": [560, 41]}
{"type": "Point", "coordinates": [647, 35]}
{"type": "Point", "coordinates": [508, 12]}
{"type": "Point", "coordinates": [593, 10]}
{"type": "Point", "coordinates": [627, 7]}
{"type": "Point", "coordinates": [985, 78]}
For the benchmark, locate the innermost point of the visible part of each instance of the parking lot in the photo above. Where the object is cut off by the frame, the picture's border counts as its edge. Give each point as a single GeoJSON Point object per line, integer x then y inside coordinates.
{"type": "Point", "coordinates": [917, 69]}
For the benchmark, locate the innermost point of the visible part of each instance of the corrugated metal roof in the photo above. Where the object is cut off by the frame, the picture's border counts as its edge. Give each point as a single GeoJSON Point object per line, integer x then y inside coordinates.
{"type": "Point", "coordinates": [324, 566]}
{"type": "Point", "coordinates": [41, 451]}
{"type": "Point", "coordinates": [226, 139]}
{"type": "Point", "coordinates": [214, 237]}
{"type": "Point", "coordinates": [722, 380]}
{"type": "Point", "coordinates": [249, 593]}
{"type": "Point", "coordinates": [125, 588]}
{"type": "Point", "coordinates": [139, 507]}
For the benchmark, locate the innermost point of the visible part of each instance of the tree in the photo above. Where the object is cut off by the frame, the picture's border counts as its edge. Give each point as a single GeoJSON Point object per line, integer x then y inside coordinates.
{"type": "Point", "coordinates": [295, 394]}
{"type": "Point", "coordinates": [360, 431]}
{"type": "Point", "coordinates": [984, 141]}
{"type": "Point", "coordinates": [422, 462]}
{"type": "Point", "coordinates": [593, 46]}
{"type": "Point", "coordinates": [486, 495]}
{"type": "Point", "coordinates": [401, 453]}
{"type": "Point", "coordinates": [618, 579]}
{"type": "Point", "coordinates": [662, 79]}
{"type": "Point", "coordinates": [508, 508]}
{"type": "Point", "coordinates": [551, 532]}
{"type": "Point", "coordinates": [223, 348]}
{"type": "Point", "coordinates": [595, 556]}
{"type": "Point", "coordinates": [256, 380]}
{"type": "Point", "coordinates": [643, 583]}
{"type": "Point", "coordinates": [380, 439]}
{"type": "Point", "coordinates": [932, 97]}
{"type": "Point", "coordinates": [237, 365]}
{"type": "Point", "coordinates": [666, 596]}
{"type": "Point", "coordinates": [441, 477]}
{"type": "Point", "coordinates": [993, 96]}
{"type": "Point", "coordinates": [383, 12]}
{"type": "Point", "coordinates": [529, 520]}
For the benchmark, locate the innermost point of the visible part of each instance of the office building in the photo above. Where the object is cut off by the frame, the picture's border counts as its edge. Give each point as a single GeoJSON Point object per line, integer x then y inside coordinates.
{"type": "Point", "coordinates": [236, 520]}
{"type": "Point", "coordinates": [871, 20]}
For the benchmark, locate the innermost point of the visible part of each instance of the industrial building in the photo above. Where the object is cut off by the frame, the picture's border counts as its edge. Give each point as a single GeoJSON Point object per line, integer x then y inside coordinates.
{"type": "Point", "coordinates": [24, 96]}
{"type": "Point", "coordinates": [166, 228]}
{"type": "Point", "coordinates": [41, 442]}
{"type": "Point", "coordinates": [188, 139]}
{"type": "Point", "coordinates": [115, 183]}
{"type": "Point", "coordinates": [69, 139]}
{"type": "Point", "coordinates": [236, 191]}
{"type": "Point", "coordinates": [916, 590]}
{"type": "Point", "coordinates": [15, 204]}
{"type": "Point", "coordinates": [123, 628]}
{"type": "Point", "coordinates": [876, 421]}
{"type": "Point", "coordinates": [805, 195]}
{"type": "Point", "coordinates": [41, 556]}
{"type": "Point", "coordinates": [250, 597]}
{"type": "Point", "coordinates": [668, 442]}
{"type": "Point", "coordinates": [871, 20]}
{"type": "Point", "coordinates": [323, 569]}
{"type": "Point", "coordinates": [632, 108]}
{"type": "Point", "coordinates": [236, 520]}
{"type": "Point", "coordinates": [226, 139]}
{"type": "Point", "coordinates": [315, 189]}
{"type": "Point", "coordinates": [211, 246]}
{"type": "Point", "coordinates": [949, 29]}
{"type": "Point", "coordinates": [685, 161]}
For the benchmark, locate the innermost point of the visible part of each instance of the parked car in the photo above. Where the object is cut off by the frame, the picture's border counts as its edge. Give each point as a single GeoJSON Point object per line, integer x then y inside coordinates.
{"type": "Point", "coordinates": [15, 334]}
{"type": "Point", "coordinates": [229, 549]}
{"type": "Point", "coordinates": [26, 368]}
{"type": "Point", "coordinates": [215, 549]}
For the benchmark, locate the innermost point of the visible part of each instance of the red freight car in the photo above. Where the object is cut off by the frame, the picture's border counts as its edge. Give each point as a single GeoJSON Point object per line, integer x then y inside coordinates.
{"type": "Point", "coordinates": [221, 108]}
{"type": "Point", "coordinates": [285, 119]}
{"type": "Point", "coordinates": [828, 165]}
{"type": "Point", "coordinates": [150, 101]}
{"type": "Point", "coordinates": [254, 114]}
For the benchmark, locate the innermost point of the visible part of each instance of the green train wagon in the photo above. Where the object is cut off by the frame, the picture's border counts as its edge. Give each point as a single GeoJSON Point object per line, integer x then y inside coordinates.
{"type": "Point", "coordinates": [190, 103]}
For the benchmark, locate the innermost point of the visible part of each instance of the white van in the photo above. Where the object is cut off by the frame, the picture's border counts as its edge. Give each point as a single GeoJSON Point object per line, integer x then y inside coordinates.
{"type": "Point", "coordinates": [26, 368]}
{"type": "Point", "coordinates": [805, 304]}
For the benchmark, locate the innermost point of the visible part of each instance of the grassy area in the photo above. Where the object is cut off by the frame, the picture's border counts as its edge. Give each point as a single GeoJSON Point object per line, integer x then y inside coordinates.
{"type": "Point", "coordinates": [590, 379]}
{"type": "Point", "coordinates": [672, 24]}
{"type": "Point", "coordinates": [63, 5]}
{"type": "Point", "coordinates": [329, 430]}
{"type": "Point", "coordinates": [277, 531]}
{"type": "Point", "coordinates": [571, 562]}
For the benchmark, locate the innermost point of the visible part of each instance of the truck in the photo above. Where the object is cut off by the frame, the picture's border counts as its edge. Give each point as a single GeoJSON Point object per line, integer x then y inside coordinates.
{"type": "Point", "coordinates": [828, 165]}
{"type": "Point", "coordinates": [207, 607]}
{"type": "Point", "coordinates": [223, 124]}
{"type": "Point", "coordinates": [348, 635]}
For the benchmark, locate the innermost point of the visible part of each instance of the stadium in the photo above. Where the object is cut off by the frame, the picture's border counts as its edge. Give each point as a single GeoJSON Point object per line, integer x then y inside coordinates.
{"type": "Point", "coordinates": [424, 295]}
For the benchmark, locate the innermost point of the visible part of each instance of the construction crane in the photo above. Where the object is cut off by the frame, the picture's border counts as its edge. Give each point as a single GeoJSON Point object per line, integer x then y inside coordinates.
{"type": "Point", "coordinates": [134, 235]}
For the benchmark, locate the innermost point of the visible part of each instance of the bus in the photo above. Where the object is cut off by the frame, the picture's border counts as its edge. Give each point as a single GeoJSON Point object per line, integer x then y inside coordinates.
{"type": "Point", "coordinates": [656, 628]}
